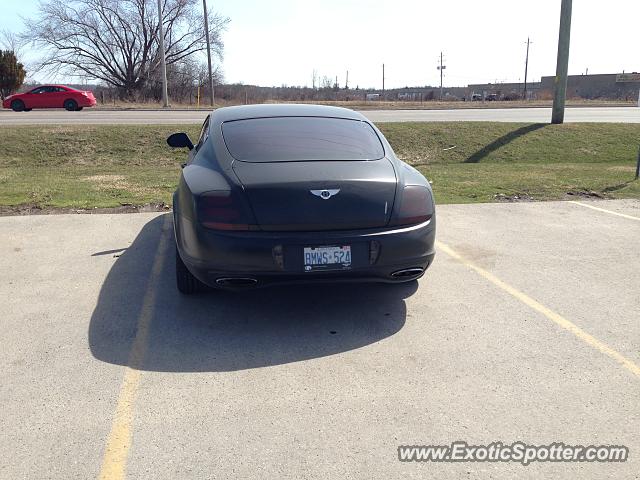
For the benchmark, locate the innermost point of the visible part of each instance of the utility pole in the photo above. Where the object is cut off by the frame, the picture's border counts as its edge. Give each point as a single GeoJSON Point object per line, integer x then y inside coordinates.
{"type": "Point", "coordinates": [562, 66]}
{"type": "Point", "coordinates": [441, 67]}
{"type": "Point", "coordinates": [163, 60]}
{"type": "Point", "coordinates": [346, 83]}
{"type": "Point", "coordinates": [206, 28]}
{"type": "Point", "coordinates": [383, 81]}
{"type": "Point", "coordinates": [526, 69]}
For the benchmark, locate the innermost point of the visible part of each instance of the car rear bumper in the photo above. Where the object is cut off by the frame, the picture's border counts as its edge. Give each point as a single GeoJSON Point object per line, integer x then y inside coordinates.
{"type": "Point", "coordinates": [251, 259]}
{"type": "Point", "coordinates": [87, 102]}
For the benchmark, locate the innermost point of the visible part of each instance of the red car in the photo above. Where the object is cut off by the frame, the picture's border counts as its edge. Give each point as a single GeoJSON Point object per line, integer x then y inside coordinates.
{"type": "Point", "coordinates": [50, 96]}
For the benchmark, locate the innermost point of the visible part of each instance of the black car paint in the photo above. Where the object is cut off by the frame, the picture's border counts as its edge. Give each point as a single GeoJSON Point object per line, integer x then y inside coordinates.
{"type": "Point", "coordinates": [363, 202]}
{"type": "Point", "coordinates": [212, 254]}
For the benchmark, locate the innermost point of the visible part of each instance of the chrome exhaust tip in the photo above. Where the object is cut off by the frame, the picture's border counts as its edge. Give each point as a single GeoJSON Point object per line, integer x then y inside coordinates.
{"type": "Point", "coordinates": [236, 282]}
{"type": "Point", "coordinates": [408, 273]}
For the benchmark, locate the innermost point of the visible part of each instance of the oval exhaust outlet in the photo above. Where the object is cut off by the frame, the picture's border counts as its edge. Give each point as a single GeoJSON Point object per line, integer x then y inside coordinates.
{"type": "Point", "coordinates": [408, 273]}
{"type": "Point", "coordinates": [237, 282]}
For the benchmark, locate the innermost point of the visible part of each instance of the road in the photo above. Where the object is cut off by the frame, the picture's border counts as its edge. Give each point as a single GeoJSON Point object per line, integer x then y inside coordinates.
{"type": "Point", "coordinates": [525, 328]}
{"type": "Point", "coordinates": [525, 115]}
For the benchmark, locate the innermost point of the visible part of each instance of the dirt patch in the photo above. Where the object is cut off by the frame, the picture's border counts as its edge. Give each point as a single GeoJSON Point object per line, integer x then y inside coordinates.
{"type": "Point", "coordinates": [117, 182]}
{"type": "Point", "coordinates": [105, 178]}
{"type": "Point", "coordinates": [516, 197]}
{"type": "Point", "coordinates": [585, 194]}
{"type": "Point", "coordinates": [622, 168]}
{"type": "Point", "coordinates": [587, 151]}
{"type": "Point", "coordinates": [36, 210]}
{"type": "Point", "coordinates": [417, 161]}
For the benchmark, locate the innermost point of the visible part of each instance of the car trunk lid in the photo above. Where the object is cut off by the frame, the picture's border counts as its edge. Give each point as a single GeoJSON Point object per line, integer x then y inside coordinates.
{"type": "Point", "coordinates": [319, 195]}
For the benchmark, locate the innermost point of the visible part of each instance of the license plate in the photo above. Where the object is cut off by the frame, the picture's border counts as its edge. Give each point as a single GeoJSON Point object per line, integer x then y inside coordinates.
{"type": "Point", "coordinates": [327, 258]}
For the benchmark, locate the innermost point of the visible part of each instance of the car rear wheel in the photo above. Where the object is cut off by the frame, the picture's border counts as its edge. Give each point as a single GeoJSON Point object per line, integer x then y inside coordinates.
{"type": "Point", "coordinates": [71, 105]}
{"type": "Point", "coordinates": [185, 281]}
{"type": "Point", "coordinates": [17, 105]}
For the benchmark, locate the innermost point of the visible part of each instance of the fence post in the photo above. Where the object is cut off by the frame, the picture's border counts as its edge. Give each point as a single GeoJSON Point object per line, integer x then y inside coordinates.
{"type": "Point", "coordinates": [638, 165]}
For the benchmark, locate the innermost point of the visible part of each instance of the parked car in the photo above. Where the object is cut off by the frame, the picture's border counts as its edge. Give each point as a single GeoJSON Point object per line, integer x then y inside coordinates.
{"type": "Point", "coordinates": [297, 193]}
{"type": "Point", "coordinates": [513, 96]}
{"type": "Point", "coordinates": [50, 96]}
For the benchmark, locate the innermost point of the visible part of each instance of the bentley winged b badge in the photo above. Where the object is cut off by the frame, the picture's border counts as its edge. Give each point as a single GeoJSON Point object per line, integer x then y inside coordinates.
{"type": "Point", "coordinates": [325, 194]}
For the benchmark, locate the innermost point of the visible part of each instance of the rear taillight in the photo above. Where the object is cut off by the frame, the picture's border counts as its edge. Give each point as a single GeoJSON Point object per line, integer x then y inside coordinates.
{"type": "Point", "coordinates": [415, 207]}
{"type": "Point", "coordinates": [222, 211]}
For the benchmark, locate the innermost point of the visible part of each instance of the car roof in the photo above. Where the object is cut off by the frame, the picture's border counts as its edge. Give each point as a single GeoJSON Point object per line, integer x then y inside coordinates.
{"type": "Point", "coordinates": [243, 112]}
{"type": "Point", "coordinates": [53, 85]}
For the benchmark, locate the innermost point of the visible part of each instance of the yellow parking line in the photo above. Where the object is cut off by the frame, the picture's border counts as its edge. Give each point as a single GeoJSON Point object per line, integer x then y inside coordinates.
{"type": "Point", "coordinates": [630, 217]}
{"type": "Point", "coordinates": [119, 441]}
{"type": "Point", "coordinates": [550, 314]}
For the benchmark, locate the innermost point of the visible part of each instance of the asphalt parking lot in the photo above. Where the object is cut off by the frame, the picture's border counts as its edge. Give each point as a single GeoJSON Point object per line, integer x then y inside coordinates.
{"type": "Point", "coordinates": [525, 328]}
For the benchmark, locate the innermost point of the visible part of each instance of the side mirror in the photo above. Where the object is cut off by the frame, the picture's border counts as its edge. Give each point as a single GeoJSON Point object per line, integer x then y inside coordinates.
{"type": "Point", "coordinates": [180, 140]}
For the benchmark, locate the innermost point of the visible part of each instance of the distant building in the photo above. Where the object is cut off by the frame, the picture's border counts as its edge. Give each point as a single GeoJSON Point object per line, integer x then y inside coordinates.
{"type": "Point", "coordinates": [503, 91]}
{"type": "Point", "coordinates": [411, 96]}
{"type": "Point", "coordinates": [609, 86]}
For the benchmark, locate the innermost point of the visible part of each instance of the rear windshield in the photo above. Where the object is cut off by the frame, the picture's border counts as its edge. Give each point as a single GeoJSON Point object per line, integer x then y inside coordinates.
{"type": "Point", "coordinates": [291, 139]}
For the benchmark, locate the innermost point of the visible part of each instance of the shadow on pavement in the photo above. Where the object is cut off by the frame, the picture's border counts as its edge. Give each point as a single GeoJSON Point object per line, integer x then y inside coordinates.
{"type": "Point", "coordinates": [503, 140]}
{"type": "Point", "coordinates": [226, 331]}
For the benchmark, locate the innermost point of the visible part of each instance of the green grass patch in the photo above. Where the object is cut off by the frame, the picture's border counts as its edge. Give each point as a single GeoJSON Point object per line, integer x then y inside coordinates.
{"type": "Point", "coordinates": [479, 161]}
{"type": "Point", "coordinates": [111, 165]}
{"type": "Point", "coordinates": [89, 166]}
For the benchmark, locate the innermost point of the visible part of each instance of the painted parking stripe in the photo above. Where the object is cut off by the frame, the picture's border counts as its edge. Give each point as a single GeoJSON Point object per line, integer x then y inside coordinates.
{"type": "Point", "coordinates": [550, 314]}
{"type": "Point", "coordinates": [116, 451]}
{"type": "Point", "coordinates": [630, 217]}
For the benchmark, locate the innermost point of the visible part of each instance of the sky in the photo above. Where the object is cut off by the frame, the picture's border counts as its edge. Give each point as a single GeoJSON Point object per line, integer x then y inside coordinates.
{"type": "Point", "coordinates": [281, 42]}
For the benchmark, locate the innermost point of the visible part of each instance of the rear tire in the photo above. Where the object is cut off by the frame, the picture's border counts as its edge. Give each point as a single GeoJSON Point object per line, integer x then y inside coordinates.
{"type": "Point", "coordinates": [70, 105]}
{"type": "Point", "coordinates": [17, 106]}
{"type": "Point", "coordinates": [185, 281]}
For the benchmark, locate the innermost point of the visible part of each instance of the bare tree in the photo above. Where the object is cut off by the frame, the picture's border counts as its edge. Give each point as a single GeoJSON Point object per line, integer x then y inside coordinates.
{"type": "Point", "coordinates": [11, 41]}
{"type": "Point", "coordinates": [116, 41]}
{"type": "Point", "coordinates": [183, 79]}
{"type": "Point", "coordinates": [326, 83]}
